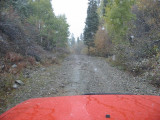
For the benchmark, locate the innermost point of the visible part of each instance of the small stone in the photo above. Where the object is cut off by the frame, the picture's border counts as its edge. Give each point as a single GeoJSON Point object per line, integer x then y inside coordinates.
{"type": "Point", "coordinates": [15, 86]}
{"type": "Point", "coordinates": [146, 74]}
{"type": "Point", "coordinates": [14, 66]}
{"type": "Point", "coordinates": [2, 67]}
{"type": "Point", "coordinates": [48, 74]}
{"type": "Point", "coordinates": [152, 74]}
{"type": "Point", "coordinates": [37, 63]}
{"type": "Point", "coordinates": [62, 86]}
{"type": "Point", "coordinates": [114, 57]}
{"type": "Point", "coordinates": [43, 69]}
{"type": "Point", "coordinates": [137, 87]}
{"type": "Point", "coordinates": [19, 82]}
{"type": "Point", "coordinates": [1, 39]}
{"type": "Point", "coordinates": [27, 76]}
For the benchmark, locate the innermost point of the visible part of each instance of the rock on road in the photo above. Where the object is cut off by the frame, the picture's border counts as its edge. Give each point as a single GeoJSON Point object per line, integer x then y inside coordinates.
{"type": "Point", "coordinates": [77, 75]}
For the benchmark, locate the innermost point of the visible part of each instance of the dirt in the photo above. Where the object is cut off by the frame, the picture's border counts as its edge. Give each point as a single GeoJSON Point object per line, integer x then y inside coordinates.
{"type": "Point", "coordinates": [78, 75]}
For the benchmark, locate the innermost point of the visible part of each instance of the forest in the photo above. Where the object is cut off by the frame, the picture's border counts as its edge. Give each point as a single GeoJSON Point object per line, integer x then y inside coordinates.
{"type": "Point", "coordinates": [31, 35]}
{"type": "Point", "coordinates": [126, 32]}
{"type": "Point", "coordinates": [118, 50]}
{"type": "Point", "coordinates": [29, 22]}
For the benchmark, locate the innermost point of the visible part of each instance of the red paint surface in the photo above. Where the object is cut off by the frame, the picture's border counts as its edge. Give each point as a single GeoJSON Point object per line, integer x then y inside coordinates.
{"type": "Point", "coordinates": [87, 107]}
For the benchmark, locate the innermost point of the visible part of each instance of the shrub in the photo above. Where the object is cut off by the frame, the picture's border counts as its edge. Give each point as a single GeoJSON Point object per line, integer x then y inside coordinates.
{"type": "Point", "coordinates": [13, 57]}
{"type": "Point", "coordinates": [102, 42]}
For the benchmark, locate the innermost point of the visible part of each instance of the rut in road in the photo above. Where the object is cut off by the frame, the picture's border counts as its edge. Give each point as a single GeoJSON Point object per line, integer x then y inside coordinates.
{"type": "Point", "coordinates": [95, 75]}
{"type": "Point", "coordinates": [77, 75]}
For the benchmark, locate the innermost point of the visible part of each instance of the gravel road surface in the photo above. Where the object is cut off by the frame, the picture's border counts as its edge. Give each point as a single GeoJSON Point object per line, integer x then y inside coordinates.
{"type": "Point", "coordinates": [77, 75]}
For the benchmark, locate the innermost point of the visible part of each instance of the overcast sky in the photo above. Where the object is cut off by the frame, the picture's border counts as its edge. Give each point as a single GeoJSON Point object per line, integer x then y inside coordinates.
{"type": "Point", "coordinates": [75, 11]}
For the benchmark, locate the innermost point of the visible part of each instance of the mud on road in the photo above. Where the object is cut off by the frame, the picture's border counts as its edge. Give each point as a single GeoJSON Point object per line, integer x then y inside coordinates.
{"type": "Point", "coordinates": [77, 75]}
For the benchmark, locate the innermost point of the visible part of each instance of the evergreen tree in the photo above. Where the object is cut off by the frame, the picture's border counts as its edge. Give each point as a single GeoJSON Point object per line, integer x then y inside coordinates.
{"type": "Point", "coordinates": [104, 6]}
{"type": "Point", "coordinates": [78, 40]}
{"type": "Point", "coordinates": [92, 23]}
{"type": "Point", "coordinates": [81, 37]}
{"type": "Point", "coordinates": [72, 40]}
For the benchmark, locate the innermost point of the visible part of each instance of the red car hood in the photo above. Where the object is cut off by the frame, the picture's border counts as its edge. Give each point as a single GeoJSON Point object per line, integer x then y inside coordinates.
{"type": "Point", "coordinates": [87, 107]}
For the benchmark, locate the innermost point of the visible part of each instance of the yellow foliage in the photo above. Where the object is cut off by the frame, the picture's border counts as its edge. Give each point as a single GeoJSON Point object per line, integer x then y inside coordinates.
{"type": "Point", "coordinates": [102, 42]}
{"type": "Point", "coordinates": [84, 50]}
{"type": "Point", "coordinates": [92, 51]}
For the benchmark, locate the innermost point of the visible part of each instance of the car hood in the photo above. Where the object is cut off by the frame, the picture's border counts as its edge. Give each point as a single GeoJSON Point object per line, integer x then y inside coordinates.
{"type": "Point", "coordinates": [87, 107]}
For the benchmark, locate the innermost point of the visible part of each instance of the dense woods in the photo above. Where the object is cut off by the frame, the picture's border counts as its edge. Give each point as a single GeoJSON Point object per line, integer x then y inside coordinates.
{"type": "Point", "coordinates": [30, 29]}
{"type": "Point", "coordinates": [91, 24]}
{"type": "Point", "coordinates": [32, 21]}
{"type": "Point", "coordinates": [31, 35]}
{"type": "Point", "coordinates": [127, 33]}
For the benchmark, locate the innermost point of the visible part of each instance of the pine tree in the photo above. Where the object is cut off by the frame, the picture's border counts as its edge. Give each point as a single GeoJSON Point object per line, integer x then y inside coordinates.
{"type": "Point", "coordinates": [104, 6]}
{"type": "Point", "coordinates": [72, 40]}
{"type": "Point", "coordinates": [81, 37]}
{"type": "Point", "coordinates": [78, 40]}
{"type": "Point", "coordinates": [92, 22]}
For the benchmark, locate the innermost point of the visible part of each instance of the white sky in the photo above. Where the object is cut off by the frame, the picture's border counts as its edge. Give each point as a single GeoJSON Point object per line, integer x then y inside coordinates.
{"type": "Point", "coordinates": [75, 12]}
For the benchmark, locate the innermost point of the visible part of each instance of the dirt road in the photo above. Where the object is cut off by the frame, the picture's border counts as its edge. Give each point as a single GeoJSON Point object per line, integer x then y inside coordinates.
{"type": "Point", "coordinates": [80, 74]}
